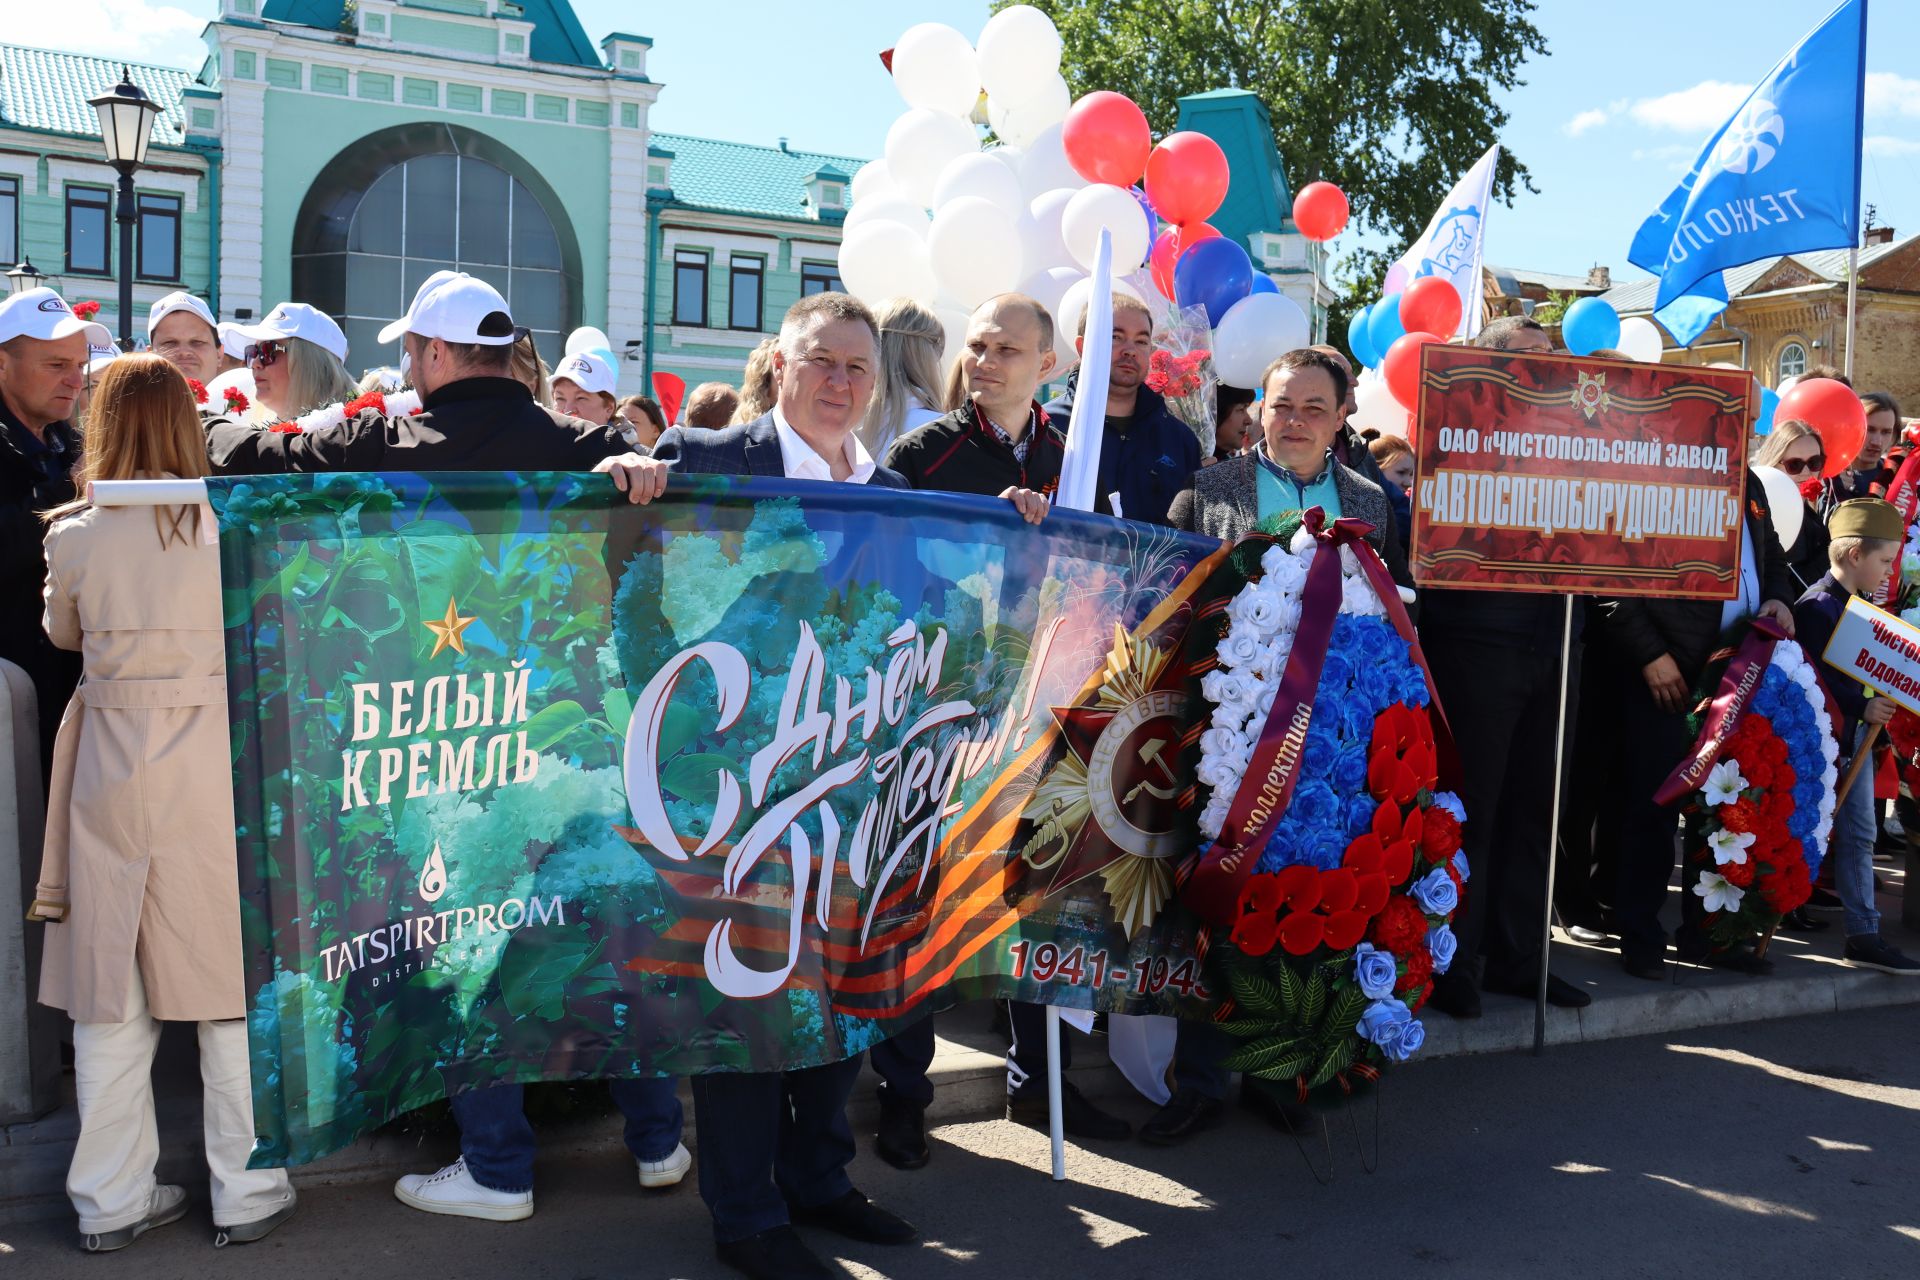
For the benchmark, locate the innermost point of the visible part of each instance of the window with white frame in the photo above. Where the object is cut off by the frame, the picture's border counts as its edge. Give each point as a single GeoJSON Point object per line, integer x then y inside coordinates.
{"type": "Point", "coordinates": [1792, 362]}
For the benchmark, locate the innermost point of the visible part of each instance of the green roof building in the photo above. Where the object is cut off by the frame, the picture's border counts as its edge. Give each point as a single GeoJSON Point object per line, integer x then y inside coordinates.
{"type": "Point", "coordinates": [338, 154]}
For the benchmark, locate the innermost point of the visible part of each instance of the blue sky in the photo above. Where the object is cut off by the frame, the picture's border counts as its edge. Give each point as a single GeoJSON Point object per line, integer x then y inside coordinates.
{"type": "Point", "coordinates": [1608, 120]}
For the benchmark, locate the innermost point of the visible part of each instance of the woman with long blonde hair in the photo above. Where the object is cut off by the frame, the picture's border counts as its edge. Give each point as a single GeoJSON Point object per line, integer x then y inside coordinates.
{"type": "Point", "coordinates": [138, 885]}
{"type": "Point", "coordinates": [756, 383]}
{"type": "Point", "coordinates": [298, 359]}
{"type": "Point", "coordinates": [909, 391]}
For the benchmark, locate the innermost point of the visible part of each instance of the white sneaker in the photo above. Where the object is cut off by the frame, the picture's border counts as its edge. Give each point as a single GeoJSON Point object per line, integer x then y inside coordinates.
{"type": "Point", "coordinates": [167, 1204]}
{"type": "Point", "coordinates": [666, 1171]}
{"type": "Point", "coordinates": [453, 1191]}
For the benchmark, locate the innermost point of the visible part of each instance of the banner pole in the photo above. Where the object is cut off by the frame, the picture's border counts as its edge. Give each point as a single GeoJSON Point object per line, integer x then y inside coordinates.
{"type": "Point", "coordinates": [1553, 831]}
{"type": "Point", "coordinates": [1853, 293]}
{"type": "Point", "coordinates": [1056, 1124]}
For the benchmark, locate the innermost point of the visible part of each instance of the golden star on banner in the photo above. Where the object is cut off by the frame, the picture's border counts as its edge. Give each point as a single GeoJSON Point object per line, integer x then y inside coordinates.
{"type": "Point", "coordinates": [447, 631]}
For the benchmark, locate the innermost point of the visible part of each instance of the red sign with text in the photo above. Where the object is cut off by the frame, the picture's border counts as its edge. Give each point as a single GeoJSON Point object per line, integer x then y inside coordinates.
{"type": "Point", "coordinates": [1568, 474]}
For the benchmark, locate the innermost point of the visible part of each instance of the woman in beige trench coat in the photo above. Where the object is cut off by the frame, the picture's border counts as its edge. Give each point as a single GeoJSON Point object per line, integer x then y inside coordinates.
{"type": "Point", "coordinates": [138, 879]}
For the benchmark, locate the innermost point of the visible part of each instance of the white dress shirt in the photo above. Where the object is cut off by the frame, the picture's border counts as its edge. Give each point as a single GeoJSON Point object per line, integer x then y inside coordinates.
{"type": "Point", "coordinates": [802, 462]}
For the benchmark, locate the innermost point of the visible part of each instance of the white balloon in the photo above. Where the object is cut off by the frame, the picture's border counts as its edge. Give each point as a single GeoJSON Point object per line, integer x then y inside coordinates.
{"type": "Point", "coordinates": [1115, 209]}
{"type": "Point", "coordinates": [1789, 508]}
{"type": "Point", "coordinates": [1046, 248]}
{"type": "Point", "coordinates": [1073, 305]}
{"type": "Point", "coordinates": [872, 181]}
{"type": "Point", "coordinates": [1048, 287]}
{"type": "Point", "coordinates": [954, 320]}
{"type": "Point", "coordinates": [1009, 155]}
{"type": "Point", "coordinates": [982, 175]}
{"type": "Point", "coordinates": [1786, 385]}
{"type": "Point", "coordinates": [1045, 167]}
{"type": "Point", "coordinates": [1375, 408]}
{"type": "Point", "coordinates": [1017, 46]}
{"type": "Point", "coordinates": [920, 144]}
{"type": "Point", "coordinates": [1021, 121]}
{"type": "Point", "coordinates": [587, 338]}
{"type": "Point", "coordinates": [1255, 332]}
{"type": "Point", "coordinates": [935, 67]}
{"type": "Point", "coordinates": [884, 260]}
{"type": "Point", "coordinates": [974, 247]}
{"type": "Point", "coordinates": [1640, 339]}
{"type": "Point", "coordinates": [888, 208]}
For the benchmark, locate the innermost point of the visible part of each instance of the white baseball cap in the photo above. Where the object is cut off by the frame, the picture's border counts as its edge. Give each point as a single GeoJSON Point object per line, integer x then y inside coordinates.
{"type": "Point", "coordinates": [589, 371]}
{"type": "Point", "coordinates": [460, 308]}
{"type": "Point", "coordinates": [45, 315]}
{"type": "Point", "coordinates": [98, 358]}
{"type": "Point", "coordinates": [297, 320]}
{"type": "Point", "coordinates": [179, 300]}
{"type": "Point", "coordinates": [232, 342]}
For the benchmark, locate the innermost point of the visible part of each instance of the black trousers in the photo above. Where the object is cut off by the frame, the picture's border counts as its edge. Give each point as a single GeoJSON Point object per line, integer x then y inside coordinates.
{"type": "Point", "coordinates": [770, 1140]}
{"type": "Point", "coordinates": [902, 1063]}
{"type": "Point", "coordinates": [1591, 823]}
{"type": "Point", "coordinates": [1652, 743]}
{"type": "Point", "coordinates": [1027, 1055]}
{"type": "Point", "coordinates": [1503, 705]}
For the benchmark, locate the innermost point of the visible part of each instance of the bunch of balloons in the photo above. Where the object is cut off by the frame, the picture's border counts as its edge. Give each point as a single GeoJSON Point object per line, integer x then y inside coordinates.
{"type": "Point", "coordinates": [944, 221]}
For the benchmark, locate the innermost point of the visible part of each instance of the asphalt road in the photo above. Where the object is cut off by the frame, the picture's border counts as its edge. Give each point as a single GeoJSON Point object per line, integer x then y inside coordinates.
{"type": "Point", "coordinates": [1780, 1149]}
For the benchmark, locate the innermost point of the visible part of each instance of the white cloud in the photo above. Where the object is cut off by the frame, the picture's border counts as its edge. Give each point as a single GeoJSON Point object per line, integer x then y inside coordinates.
{"type": "Point", "coordinates": [1700, 109]}
{"type": "Point", "coordinates": [1892, 148]}
{"type": "Point", "coordinates": [1674, 157]}
{"type": "Point", "coordinates": [1890, 94]}
{"type": "Point", "coordinates": [1590, 119]}
{"type": "Point", "coordinates": [138, 30]}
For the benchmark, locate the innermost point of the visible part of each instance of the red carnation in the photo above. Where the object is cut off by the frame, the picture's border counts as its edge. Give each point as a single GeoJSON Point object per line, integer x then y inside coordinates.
{"type": "Point", "coordinates": [1401, 926]}
{"type": "Point", "coordinates": [1738, 874]}
{"type": "Point", "coordinates": [1419, 971]}
{"type": "Point", "coordinates": [372, 400]}
{"type": "Point", "coordinates": [1758, 774]}
{"type": "Point", "coordinates": [199, 390]}
{"type": "Point", "coordinates": [1740, 817]}
{"type": "Point", "coordinates": [288, 429]}
{"type": "Point", "coordinates": [86, 310]}
{"type": "Point", "coordinates": [1788, 888]}
{"type": "Point", "coordinates": [236, 401]}
{"type": "Point", "coordinates": [1440, 835]}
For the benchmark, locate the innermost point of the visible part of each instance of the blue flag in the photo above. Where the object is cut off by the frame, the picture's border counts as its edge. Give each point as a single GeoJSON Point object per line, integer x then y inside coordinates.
{"type": "Point", "coordinates": [1781, 176]}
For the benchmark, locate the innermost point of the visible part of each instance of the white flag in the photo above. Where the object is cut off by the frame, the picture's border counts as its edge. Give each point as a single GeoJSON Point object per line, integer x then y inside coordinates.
{"type": "Point", "coordinates": [1080, 466]}
{"type": "Point", "coordinates": [1452, 243]}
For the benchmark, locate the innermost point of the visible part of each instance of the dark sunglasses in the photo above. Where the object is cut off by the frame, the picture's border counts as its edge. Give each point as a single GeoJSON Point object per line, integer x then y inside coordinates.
{"type": "Point", "coordinates": [263, 355]}
{"type": "Point", "coordinates": [1800, 466]}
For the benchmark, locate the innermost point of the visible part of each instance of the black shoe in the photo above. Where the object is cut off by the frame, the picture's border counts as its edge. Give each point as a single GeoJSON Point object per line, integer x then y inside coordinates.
{"type": "Point", "coordinates": [857, 1218]}
{"type": "Point", "coordinates": [1288, 1117]}
{"type": "Point", "coordinates": [1456, 994]}
{"type": "Point", "coordinates": [1798, 921]}
{"type": "Point", "coordinates": [1589, 935]}
{"type": "Point", "coordinates": [1561, 994]}
{"type": "Point", "coordinates": [1871, 951]}
{"type": "Point", "coordinates": [776, 1254]}
{"type": "Point", "coordinates": [1644, 962]}
{"type": "Point", "coordinates": [1186, 1113]}
{"type": "Point", "coordinates": [902, 1137]}
{"type": "Point", "coordinates": [1079, 1117]}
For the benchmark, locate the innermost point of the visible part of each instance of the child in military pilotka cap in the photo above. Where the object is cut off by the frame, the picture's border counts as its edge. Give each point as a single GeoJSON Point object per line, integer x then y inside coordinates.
{"type": "Point", "coordinates": [1866, 537]}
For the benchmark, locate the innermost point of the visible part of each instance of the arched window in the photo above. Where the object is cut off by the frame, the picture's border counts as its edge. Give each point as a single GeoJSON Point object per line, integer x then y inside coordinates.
{"type": "Point", "coordinates": [402, 204]}
{"type": "Point", "coordinates": [1792, 362]}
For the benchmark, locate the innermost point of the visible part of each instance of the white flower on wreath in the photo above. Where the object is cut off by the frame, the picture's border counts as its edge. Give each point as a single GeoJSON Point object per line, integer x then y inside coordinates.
{"type": "Point", "coordinates": [1730, 846]}
{"type": "Point", "coordinates": [1284, 572]}
{"type": "Point", "coordinates": [1358, 596]}
{"type": "Point", "coordinates": [1803, 676]}
{"type": "Point", "coordinates": [1230, 743]}
{"type": "Point", "coordinates": [1257, 610]}
{"type": "Point", "coordinates": [1724, 784]}
{"type": "Point", "coordinates": [1717, 893]}
{"type": "Point", "coordinates": [1828, 747]}
{"type": "Point", "coordinates": [1240, 647]}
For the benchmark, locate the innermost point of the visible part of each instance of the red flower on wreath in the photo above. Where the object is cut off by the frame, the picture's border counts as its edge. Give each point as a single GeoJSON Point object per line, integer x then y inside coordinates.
{"type": "Point", "coordinates": [1738, 874]}
{"type": "Point", "coordinates": [372, 400]}
{"type": "Point", "coordinates": [288, 429]}
{"type": "Point", "coordinates": [1787, 888]}
{"type": "Point", "coordinates": [1419, 971]}
{"type": "Point", "coordinates": [1255, 933]}
{"type": "Point", "coordinates": [1740, 817]}
{"type": "Point", "coordinates": [1400, 928]}
{"type": "Point", "coordinates": [1439, 835]}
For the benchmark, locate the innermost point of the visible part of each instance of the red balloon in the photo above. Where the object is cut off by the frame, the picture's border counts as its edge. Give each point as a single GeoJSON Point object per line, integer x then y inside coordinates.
{"type": "Point", "coordinates": [1834, 410]}
{"type": "Point", "coordinates": [1106, 138]}
{"type": "Point", "coordinates": [1430, 305]}
{"type": "Point", "coordinates": [1320, 211]}
{"type": "Point", "coordinates": [1187, 177]}
{"type": "Point", "coordinates": [1401, 368]}
{"type": "Point", "coordinates": [1167, 248]}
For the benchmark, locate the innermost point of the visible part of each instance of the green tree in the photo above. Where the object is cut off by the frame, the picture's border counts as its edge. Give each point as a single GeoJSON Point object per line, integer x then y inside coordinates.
{"type": "Point", "coordinates": [1390, 101]}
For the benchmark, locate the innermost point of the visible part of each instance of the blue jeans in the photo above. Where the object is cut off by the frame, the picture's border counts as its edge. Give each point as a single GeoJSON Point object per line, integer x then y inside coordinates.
{"type": "Point", "coordinates": [1854, 834]}
{"type": "Point", "coordinates": [498, 1143]}
{"type": "Point", "coordinates": [772, 1139]}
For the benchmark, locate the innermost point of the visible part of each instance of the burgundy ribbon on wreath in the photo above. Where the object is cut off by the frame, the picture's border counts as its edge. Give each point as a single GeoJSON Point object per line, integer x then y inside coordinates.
{"type": "Point", "coordinates": [1213, 881]}
{"type": "Point", "coordinates": [1737, 686]}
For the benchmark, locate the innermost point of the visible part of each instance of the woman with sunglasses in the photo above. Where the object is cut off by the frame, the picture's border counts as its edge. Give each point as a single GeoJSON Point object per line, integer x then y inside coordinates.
{"type": "Point", "coordinates": [298, 358]}
{"type": "Point", "coordinates": [1793, 448]}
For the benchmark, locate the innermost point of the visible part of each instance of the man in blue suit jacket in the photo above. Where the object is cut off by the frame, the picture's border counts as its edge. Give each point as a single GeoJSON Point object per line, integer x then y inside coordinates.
{"type": "Point", "coordinates": [774, 1147]}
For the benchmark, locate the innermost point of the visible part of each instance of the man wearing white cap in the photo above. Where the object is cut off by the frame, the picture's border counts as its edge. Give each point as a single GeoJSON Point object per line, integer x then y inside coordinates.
{"type": "Point", "coordinates": [44, 353]}
{"type": "Point", "coordinates": [475, 416]}
{"type": "Point", "coordinates": [182, 331]}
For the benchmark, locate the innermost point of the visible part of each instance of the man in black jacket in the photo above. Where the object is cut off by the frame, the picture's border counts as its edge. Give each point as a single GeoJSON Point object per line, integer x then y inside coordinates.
{"type": "Point", "coordinates": [999, 443]}
{"type": "Point", "coordinates": [43, 367]}
{"type": "Point", "coordinates": [1146, 453]}
{"type": "Point", "coordinates": [1496, 662]}
{"type": "Point", "coordinates": [1669, 643]}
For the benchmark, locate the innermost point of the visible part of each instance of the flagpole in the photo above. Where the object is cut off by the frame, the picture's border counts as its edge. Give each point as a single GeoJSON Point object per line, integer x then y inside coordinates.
{"type": "Point", "coordinates": [1853, 293]}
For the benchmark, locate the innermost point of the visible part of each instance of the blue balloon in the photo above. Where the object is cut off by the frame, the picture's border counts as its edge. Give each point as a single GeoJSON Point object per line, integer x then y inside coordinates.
{"type": "Point", "coordinates": [1769, 402]}
{"type": "Point", "coordinates": [1590, 325]}
{"type": "Point", "coordinates": [1359, 341]}
{"type": "Point", "coordinates": [1383, 325]}
{"type": "Point", "coordinates": [1263, 283]}
{"type": "Point", "coordinates": [1146, 207]}
{"type": "Point", "coordinates": [1213, 274]}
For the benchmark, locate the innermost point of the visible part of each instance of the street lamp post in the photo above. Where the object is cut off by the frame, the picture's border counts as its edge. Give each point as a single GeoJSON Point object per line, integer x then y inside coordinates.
{"type": "Point", "coordinates": [24, 277]}
{"type": "Point", "coordinates": [126, 125]}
